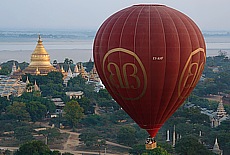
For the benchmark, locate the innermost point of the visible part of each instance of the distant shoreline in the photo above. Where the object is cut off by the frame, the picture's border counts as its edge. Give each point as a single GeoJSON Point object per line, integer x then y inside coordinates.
{"type": "Point", "coordinates": [77, 45]}
{"type": "Point", "coordinates": [77, 55]}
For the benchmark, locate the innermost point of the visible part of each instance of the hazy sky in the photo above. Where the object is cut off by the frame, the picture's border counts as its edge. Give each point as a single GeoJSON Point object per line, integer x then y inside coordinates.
{"type": "Point", "coordinates": [90, 14]}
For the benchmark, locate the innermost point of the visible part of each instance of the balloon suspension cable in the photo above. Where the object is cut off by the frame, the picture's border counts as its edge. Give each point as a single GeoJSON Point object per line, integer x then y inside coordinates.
{"type": "Point", "coordinates": [150, 143]}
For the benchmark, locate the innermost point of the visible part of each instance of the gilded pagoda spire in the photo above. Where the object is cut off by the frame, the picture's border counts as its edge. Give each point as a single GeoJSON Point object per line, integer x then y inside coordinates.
{"type": "Point", "coordinates": [40, 60]}
{"type": "Point", "coordinates": [62, 69]}
{"type": "Point", "coordinates": [76, 70]}
{"type": "Point", "coordinates": [19, 69]}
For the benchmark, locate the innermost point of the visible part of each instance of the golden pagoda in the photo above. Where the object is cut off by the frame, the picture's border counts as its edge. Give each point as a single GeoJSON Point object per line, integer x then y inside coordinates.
{"type": "Point", "coordinates": [40, 61]}
{"type": "Point", "coordinates": [82, 72]}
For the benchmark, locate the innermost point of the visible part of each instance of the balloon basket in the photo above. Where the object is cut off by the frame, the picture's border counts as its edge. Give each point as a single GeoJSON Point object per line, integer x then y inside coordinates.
{"type": "Point", "coordinates": [150, 144]}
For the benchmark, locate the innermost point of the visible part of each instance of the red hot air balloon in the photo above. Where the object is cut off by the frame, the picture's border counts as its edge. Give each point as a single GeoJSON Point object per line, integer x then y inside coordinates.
{"type": "Point", "coordinates": [150, 58]}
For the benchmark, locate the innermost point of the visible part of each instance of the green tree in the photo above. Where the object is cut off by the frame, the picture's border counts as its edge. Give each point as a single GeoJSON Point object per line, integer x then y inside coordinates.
{"type": "Point", "coordinates": [70, 61]}
{"type": "Point", "coordinates": [54, 77]}
{"type": "Point", "coordinates": [55, 62]}
{"type": "Point", "coordinates": [37, 148]}
{"type": "Point", "coordinates": [23, 133]}
{"type": "Point", "coordinates": [137, 149]}
{"type": "Point", "coordinates": [89, 138]}
{"type": "Point", "coordinates": [53, 90]}
{"type": "Point", "coordinates": [33, 148]}
{"type": "Point", "coordinates": [3, 104]}
{"type": "Point", "coordinates": [18, 111]}
{"type": "Point", "coordinates": [66, 61]}
{"type": "Point", "coordinates": [32, 97]}
{"type": "Point", "coordinates": [7, 152]}
{"type": "Point", "coordinates": [119, 115]}
{"type": "Point", "coordinates": [79, 83]}
{"type": "Point", "coordinates": [126, 135]}
{"type": "Point", "coordinates": [86, 104]}
{"type": "Point", "coordinates": [50, 85]}
{"type": "Point", "coordinates": [76, 83]}
{"type": "Point", "coordinates": [36, 110]}
{"type": "Point", "coordinates": [89, 66]}
{"type": "Point", "coordinates": [103, 93]}
{"type": "Point", "coordinates": [93, 120]}
{"type": "Point", "coordinates": [51, 134]}
{"type": "Point", "coordinates": [108, 105]}
{"type": "Point", "coordinates": [224, 126]}
{"type": "Point", "coordinates": [156, 151]}
{"type": "Point", "coordinates": [140, 150]}
{"type": "Point", "coordinates": [4, 71]}
{"type": "Point", "coordinates": [189, 145]}
{"type": "Point", "coordinates": [23, 65]}
{"type": "Point", "coordinates": [73, 113]}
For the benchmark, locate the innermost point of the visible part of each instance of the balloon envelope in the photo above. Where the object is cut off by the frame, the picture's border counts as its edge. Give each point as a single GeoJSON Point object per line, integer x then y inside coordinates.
{"type": "Point", "coordinates": [149, 57]}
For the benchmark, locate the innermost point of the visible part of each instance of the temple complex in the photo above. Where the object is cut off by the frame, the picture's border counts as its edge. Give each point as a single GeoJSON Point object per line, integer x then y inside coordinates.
{"type": "Point", "coordinates": [40, 61]}
{"type": "Point", "coordinates": [219, 116]}
{"type": "Point", "coordinates": [40, 65]}
{"type": "Point", "coordinates": [10, 87]}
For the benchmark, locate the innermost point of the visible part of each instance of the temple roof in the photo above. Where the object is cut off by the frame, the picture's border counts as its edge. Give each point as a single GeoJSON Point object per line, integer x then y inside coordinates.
{"type": "Point", "coordinates": [76, 70]}
{"type": "Point", "coordinates": [220, 110]}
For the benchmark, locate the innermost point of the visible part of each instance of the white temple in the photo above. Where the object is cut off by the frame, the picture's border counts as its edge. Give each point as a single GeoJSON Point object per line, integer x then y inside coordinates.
{"type": "Point", "coordinates": [216, 149]}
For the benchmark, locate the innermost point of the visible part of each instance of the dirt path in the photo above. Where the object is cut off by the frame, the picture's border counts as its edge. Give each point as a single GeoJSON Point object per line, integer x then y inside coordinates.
{"type": "Point", "coordinates": [118, 145]}
{"type": "Point", "coordinates": [72, 141]}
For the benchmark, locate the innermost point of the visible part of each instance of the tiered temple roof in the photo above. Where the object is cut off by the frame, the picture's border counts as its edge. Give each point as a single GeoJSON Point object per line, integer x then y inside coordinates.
{"type": "Point", "coordinates": [220, 110]}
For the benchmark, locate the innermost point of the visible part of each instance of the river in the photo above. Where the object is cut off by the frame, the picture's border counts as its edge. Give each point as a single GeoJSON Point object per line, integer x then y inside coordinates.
{"type": "Point", "coordinates": [77, 45]}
